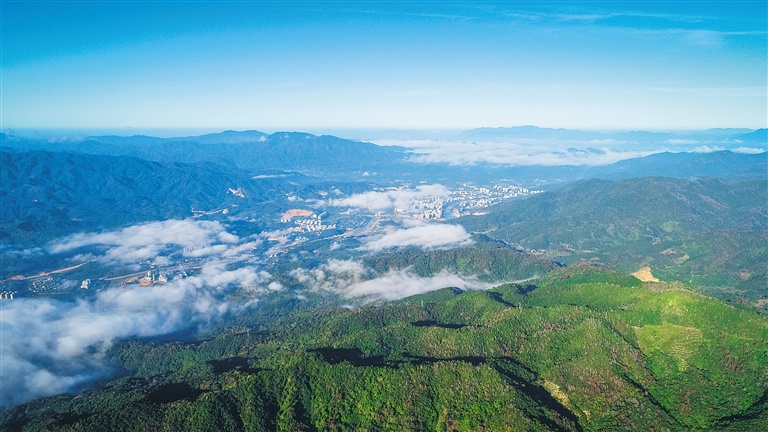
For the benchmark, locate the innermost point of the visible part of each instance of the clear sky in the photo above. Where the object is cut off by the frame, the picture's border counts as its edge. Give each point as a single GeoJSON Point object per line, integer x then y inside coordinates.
{"type": "Point", "coordinates": [309, 65]}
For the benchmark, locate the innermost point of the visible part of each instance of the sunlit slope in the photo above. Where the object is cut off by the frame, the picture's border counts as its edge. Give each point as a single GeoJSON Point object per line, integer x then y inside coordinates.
{"type": "Point", "coordinates": [587, 350]}
{"type": "Point", "coordinates": [709, 232]}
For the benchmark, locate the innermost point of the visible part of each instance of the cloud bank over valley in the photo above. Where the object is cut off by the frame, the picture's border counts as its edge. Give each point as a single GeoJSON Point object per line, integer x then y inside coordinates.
{"type": "Point", "coordinates": [51, 346]}
{"type": "Point", "coordinates": [352, 280]}
{"type": "Point", "coordinates": [390, 199]}
{"type": "Point", "coordinates": [552, 152]}
{"type": "Point", "coordinates": [151, 240]}
{"type": "Point", "coordinates": [432, 236]}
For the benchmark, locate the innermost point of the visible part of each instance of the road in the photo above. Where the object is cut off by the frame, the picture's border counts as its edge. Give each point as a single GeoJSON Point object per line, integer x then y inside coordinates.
{"type": "Point", "coordinates": [44, 274]}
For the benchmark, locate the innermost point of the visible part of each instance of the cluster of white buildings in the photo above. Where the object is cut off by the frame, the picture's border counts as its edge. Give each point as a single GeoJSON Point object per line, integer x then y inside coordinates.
{"type": "Point", "coordinates": [468, 199]}
{"type": "Point", "coordinates": [313, 223]}
{"type": "Point", "coordinates": [513, 191]}
{"type": "Point", "coordinates": [471, 197]}
{"type": "Point", "coordinates": [428, 208]}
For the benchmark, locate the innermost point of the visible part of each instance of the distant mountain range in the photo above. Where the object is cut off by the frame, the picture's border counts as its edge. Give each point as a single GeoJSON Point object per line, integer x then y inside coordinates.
{"type": "Point", "coordinates": [52, 188]}
{"type": "Point", "coordinates": [722, 164]}
{"type": "Point", "coordinates": [47, 194]}
{"type": "Point", "coordinates": [580, 345]}
{"type": "Point", "coordinates": [326, 156]}
{"type": "Point", "coordinates": [333, 157]}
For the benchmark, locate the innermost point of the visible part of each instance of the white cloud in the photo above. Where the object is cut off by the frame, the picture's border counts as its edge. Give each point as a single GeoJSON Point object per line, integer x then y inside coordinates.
{"type": "Point", "coordinates": [748, 150]}
{"type": "Point", "coordinates": [399, 284]}
{"type": "Point", "coordinates": [707, 149]}
{"type": "Point", "coordinates": [348, 279]}
{"type": "Point", "coordinates": [436, 236]}
{"type": "Point", "coordinates": [385, 200]}
{"type": "Point", "coordinates": [148, 241]}
{"type": "Point", "coordinates": [608, 141]}
{"type": "Point", "coordinates": [205, 251]}
{"type": "Point", "coordinates": [350, 267]}
{"type": "Point", "coordinates": [334, 276]}
{"type": "Point", "coordinates": [521, 152]}
{"type": "Point", "coordinates": [228, 238]}
{"type": "Point", "coordinates": [50, 346]}
{"type": "Point", "coordinates": [242, 248]}
{"type": "Point", "coordinates": [279, 237]}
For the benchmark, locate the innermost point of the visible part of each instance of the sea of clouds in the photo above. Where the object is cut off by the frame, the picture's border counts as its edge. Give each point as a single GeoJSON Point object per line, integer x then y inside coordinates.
{"type": "Point", "coordinates": [530, 152]}
{"type": "Point", "coordinates": [352, 280]}
{"type": "Point", "coordinates": [154, 241]}
{"type": "Point", "coordinates": [389, 199]}
{"type": "Point", "coordinates": [426, 236]}
{"type": "Point", "coordinates": [50, 346]}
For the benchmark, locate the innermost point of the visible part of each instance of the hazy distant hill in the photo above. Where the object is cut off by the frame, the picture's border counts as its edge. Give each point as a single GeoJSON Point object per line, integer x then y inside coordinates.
{"type": "Point", "coordinates": [586, 350]}
{"type": "Point", "coordinates": [333, 157]}
{"type": "Point", "coordinates": [226, 137]}
{"type": "Point", "coordinates": [758, 136]}
{"type": "Point", "coordinates": [724, 138]}
{"type": "Point", "coordinates": [669, 224]}
{"type": "Point", "coordinates": [723, 164]}
{"type": "Point", "coordinates": [250, 150]}
{"type": "Point", "coordinates": [47, 194]}
{"type": "Point", "coordinates": [685, 165]}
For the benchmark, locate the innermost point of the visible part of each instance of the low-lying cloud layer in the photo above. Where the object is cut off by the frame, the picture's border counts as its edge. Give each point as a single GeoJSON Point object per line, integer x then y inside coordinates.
{"type": "Point", "coordinates": [397, 284]}
{"type": "Point", "coordinates": [386, 200]}
{"type": "Point", "coordinates": [51, 346]}
{"type": "Point", "coordinates": [433, 236]}
{"type": "Point", "coordinates": [349, 279]}
{"type": "Point", "coordinates": [516, 154]}
{"type": "Point", "coordinates": [554, 152]}
{"type": "Point", "coordinates": [149, 241]}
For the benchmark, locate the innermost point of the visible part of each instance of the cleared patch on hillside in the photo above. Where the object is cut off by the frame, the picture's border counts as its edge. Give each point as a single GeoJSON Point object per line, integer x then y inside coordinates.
{"type": "Point", "coordinates": [645, 275]}
{"type": "Point", "coordinates": [558, 394]}
{"type": "Point", "coordinates": [676, 341]}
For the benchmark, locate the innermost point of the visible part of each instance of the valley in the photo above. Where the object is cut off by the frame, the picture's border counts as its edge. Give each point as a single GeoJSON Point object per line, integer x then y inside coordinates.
{"type": "Point", "coordinates": [486, 216]}
{"type": "Point", "coordinates": [228, 280]}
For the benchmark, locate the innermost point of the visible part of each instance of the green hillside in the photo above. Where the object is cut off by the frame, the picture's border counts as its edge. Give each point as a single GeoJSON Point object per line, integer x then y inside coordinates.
{"type": "Point", "coordinates": [489, 260]}
{"type": "Point", "coordinates": [588, 349]}
{"type": "Point", "coordinates": [708, 232]}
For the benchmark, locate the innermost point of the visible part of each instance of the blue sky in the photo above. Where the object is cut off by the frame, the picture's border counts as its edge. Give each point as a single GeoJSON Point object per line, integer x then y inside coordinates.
{"type": "Point", "coordinates": [391, 65]}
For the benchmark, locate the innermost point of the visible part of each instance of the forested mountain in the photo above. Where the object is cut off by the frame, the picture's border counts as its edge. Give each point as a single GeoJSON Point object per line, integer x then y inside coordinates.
{"type": "Point", "coordinates": [707, 231]}
{"type": "Point", "coordinates": [723, 164]}
{"type": "Point", "coordinates": [587, 350]}
{"type": "Point", "coordinates": [333, 157]}
{"type": "Point", "coordinates": [48, 194]}
{"type": "Point", "coordinates": [488, 260]}
{"type": "Point", "coordinates": [292, 151]}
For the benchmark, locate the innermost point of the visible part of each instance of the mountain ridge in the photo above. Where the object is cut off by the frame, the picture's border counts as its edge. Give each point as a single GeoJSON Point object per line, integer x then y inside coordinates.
{"type": "Point", "coordinates": [587, 349]}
